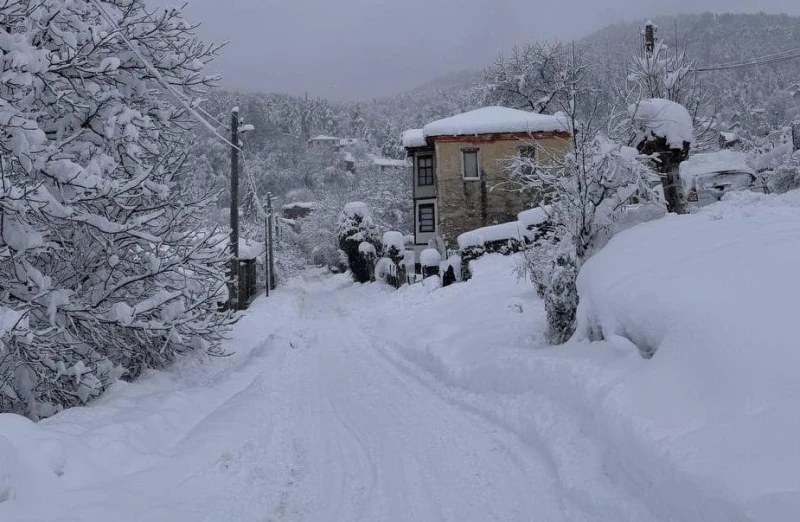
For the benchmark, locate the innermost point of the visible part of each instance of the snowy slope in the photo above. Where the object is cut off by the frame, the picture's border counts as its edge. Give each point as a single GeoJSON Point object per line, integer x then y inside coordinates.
{"type": "Point", "coordinates": [714, 296]}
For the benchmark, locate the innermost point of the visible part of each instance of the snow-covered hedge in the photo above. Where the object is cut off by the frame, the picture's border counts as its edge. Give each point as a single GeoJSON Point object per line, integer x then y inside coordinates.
{"type": "Point", "coordinates": [505, 238]}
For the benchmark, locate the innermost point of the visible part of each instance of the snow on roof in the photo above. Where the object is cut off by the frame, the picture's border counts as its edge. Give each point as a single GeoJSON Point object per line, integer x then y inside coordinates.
{"type": "Point", "coordinates": [323, 137]}
{"type": "Point", "coordinates": [496, 120]}
{"type": "Point", "coordinates": [413, 138]}
{"type": "Point", "coordinates": [348, 142]}
{"type": "Point", "coordinates": [663, 118]}
{"type": "Point", "coordinates": [300, 204]}
{"type": "Point", "coordinates": [388, 162]}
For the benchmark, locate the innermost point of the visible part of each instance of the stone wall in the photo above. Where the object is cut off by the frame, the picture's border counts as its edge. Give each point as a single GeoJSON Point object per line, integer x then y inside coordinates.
{"type": "Point", "coordinates": [465, 205]}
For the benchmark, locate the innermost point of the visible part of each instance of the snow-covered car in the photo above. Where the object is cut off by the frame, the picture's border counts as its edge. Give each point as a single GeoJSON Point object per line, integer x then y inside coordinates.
{"type": "Point", "coordinates": [706, 177]}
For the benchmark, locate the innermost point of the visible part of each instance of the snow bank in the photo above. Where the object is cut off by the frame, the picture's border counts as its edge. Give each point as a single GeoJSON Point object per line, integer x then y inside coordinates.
{"type": "Point", "coordinates": [492, 120]}
{"type": "Point", "coordinates": [662, 118]}
{"type": "Point", "coordinates": [714, 297]}
{"type": "Point", "coordinates": [413, 138]}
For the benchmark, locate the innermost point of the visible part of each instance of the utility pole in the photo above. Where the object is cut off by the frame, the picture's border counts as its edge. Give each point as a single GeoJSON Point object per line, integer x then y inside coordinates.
{"type": "Point", "coordinates": [233, 286]}
{"type": "Point", "coordinates": [266, 246]}
{"type": "Point", "coordinates": [270, 225]}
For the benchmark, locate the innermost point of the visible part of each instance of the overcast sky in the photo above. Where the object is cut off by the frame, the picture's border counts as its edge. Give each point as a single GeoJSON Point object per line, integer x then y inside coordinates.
{"type": "Point", "coordinates": [356, 49]}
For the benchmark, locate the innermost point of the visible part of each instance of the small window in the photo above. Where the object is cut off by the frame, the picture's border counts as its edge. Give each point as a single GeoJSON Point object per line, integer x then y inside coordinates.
{"type": "Point", "coordinates": [424, 170]}
{"type": "Point", "coordinates": [426, 218]}
{"type": "Point", "coordinates": [470, 163]}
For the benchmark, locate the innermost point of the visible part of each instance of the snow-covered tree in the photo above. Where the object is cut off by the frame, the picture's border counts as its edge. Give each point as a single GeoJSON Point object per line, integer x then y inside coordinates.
{"type": "Point", "coordinates": [358, 240]}
{"type": "Point", "coordinates": [106, 265]}
{"type": "Point", "coordinates": [586, 193]}
{"type": "Point", "coordinates": [665, 73]}
{"type": "Point", "coordinates": [529, 77]}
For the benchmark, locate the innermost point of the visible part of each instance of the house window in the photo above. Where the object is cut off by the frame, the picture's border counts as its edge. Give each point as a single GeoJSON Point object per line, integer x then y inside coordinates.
{"type": "Point", "coordinates": [470, 163]}
{"type": "Point", "coordinates": [424, 170]}
{"type": "Point", "coordinates": [426, 217]}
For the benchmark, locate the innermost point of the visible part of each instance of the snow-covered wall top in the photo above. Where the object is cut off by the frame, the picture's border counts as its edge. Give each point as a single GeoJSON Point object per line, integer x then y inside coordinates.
{"type": "Point", "coordinates": [496, 120]}
{"type": "Point", "coordinates": [662, 118]}
{"type": "Point", "coordinates": [413, 138]}
{"type": "Point", "coordinates": [488, 234]}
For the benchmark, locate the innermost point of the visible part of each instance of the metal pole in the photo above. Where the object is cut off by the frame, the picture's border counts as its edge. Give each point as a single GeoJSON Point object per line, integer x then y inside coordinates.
{"type": "Point", "coordinates": [271, 224]}
{"type": "Point", "coordinates": [266, 249]}
{"type": "Point", "coordinates": [234, 279]}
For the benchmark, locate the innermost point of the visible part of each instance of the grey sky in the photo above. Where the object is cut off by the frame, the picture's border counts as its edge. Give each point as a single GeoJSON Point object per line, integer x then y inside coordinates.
{"type": "Point", "coordinates": [350, 49]}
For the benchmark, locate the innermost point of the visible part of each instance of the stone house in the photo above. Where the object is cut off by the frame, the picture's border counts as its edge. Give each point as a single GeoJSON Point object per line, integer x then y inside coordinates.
{"type": "Point", "coordinates": [460, 168]}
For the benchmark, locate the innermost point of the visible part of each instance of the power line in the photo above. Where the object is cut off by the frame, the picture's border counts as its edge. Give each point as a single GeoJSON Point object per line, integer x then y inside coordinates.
{"type": "Point", "coordinates": [150, 67]}
{"type": "Point", "coordinates": [789, 54]}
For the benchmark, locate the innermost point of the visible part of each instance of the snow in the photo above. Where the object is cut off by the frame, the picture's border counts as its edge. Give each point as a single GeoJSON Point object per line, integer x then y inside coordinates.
{"type": "Point", "coordinates": [430, 257]}
{"type": "Point", "coordinates": [366, 248]}
{"type": "Point", "coordinates": [308, 205]}
{"type": "Point", "coordinates": [388, 162]}
{"type": "Point", "coordinates": [413, 138]}
{"type": "Point", "coordinates": [710, 163]}
{"type": "Point", "coordinates": [495, 120]}
{"type": "Point", "coordinates": [394, 239]}
{"type": "Point", "coordinates": [491, 233]}
{"type": "Point", "coordinates": [323, 137]}
{"type": "Point", "coordinates": [663, 118]}
{"type": "Point", "coordinates": [358, 402]}
{"type": "Point", "coordinates": [533, 217]}
{"type": "Point", "coordinates": [713, 295]}
{"type": "Point", "coordinates": [357, 208]}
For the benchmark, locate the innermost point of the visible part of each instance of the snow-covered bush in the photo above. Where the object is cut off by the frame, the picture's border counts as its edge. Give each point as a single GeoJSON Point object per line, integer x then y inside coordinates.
{"type": "Point", "coordinates": [358, 240]}
{"type": "Point", "coordinates": [430, 259]}
{"type": "Point", "coordinates": [394, 255]}
{"type": "Point", "coordinates": [106, 265]}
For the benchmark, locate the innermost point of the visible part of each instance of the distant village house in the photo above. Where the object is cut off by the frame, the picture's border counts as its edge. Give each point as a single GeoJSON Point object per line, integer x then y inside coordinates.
{"type": "Point", "coordinates": [460, 168]}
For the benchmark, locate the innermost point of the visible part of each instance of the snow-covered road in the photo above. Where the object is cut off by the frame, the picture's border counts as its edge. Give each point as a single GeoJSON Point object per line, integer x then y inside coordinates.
{"type": "Point", "coordinates": [316, 417]}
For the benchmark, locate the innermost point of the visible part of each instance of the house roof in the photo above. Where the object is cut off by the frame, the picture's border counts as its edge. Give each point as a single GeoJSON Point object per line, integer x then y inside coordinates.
{"type": "Point", "coordinates": [494, 120]}
{"type": "Point", "coordinates": [322, 137]}
{"type": "Point", "coordinates": [387, 162]}
{"type": "Point", "coordinates": [413, 138]}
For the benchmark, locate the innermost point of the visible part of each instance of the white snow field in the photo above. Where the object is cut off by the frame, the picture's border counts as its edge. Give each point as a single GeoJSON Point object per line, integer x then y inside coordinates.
{"type": "Point", "coordinates": [345, 402]}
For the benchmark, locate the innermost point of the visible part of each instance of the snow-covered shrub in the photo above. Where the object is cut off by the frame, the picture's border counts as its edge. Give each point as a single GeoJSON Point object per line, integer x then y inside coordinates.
{"type": "Point", "coordinates": [104, 252]}
{"type": "Point", "coordinates": [393, 253]}
{"type": "Point", "coordinates": [786, 175]}
{"type": "Point", "coordinates": [430, 259]}
{"type": "Point", "coordinates": [356, 228]}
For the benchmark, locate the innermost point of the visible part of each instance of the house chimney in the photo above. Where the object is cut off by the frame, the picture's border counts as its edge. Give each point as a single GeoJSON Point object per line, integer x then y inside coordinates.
{"type": "Point", "coordinates": [649, 38]}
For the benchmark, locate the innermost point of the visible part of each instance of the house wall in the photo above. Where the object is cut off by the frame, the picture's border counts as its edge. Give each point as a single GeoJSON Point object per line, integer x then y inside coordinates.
{"type": "Point", "coordinates": [465, 205]}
